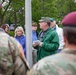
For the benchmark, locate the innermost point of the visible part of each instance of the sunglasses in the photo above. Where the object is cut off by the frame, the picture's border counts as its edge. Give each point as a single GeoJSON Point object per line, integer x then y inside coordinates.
{"type": "Point", "coordinates": [51, 20]}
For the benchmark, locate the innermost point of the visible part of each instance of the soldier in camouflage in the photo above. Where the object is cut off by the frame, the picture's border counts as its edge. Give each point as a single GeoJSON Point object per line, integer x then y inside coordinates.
{"type": "Point", "coordinates": [11, 61]}
{"type": "Point", "coordinates": [63, 63]}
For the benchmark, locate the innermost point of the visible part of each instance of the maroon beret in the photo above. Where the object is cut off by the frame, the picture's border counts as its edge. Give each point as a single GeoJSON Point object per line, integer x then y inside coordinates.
{"type": "Point", "coordinates": [69, 19]}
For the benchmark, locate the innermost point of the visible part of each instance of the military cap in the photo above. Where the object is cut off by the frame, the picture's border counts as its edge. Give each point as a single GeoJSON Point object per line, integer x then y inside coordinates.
{"type": "Point", "coordinates": [69, 20]}
{"type": "Point", "coordinates": [44, 19]}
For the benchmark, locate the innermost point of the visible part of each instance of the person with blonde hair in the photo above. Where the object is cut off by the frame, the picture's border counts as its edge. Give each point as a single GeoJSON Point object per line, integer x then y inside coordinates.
{"type": "Point", "coordinates": [20, 37]}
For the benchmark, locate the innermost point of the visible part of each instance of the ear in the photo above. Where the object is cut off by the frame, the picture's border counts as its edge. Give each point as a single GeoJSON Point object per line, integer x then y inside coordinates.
{"type": "Point", "coordinates": [65, 39]}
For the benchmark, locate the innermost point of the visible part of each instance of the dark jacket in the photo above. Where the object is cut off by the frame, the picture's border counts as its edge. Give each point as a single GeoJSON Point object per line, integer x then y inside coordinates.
{"type": "Point", "coordinates": [50, 44]}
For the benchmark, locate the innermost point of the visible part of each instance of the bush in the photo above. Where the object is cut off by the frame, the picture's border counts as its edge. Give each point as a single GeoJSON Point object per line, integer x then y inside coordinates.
{"type": "Point", "coordinates": [11, 33]}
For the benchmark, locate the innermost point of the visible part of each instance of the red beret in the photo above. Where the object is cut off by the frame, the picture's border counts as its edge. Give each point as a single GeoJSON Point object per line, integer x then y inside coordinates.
{"type": "Point", "coordinates": [69, 19]}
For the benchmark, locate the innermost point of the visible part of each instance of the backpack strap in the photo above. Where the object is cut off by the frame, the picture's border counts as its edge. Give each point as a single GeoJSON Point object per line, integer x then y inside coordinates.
{"type": "Point", "coordinates": [12, 53]}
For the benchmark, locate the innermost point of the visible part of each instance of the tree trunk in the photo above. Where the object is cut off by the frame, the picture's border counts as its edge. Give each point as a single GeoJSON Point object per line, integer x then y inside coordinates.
{"type": "Point", "coordinates": [15, 18]}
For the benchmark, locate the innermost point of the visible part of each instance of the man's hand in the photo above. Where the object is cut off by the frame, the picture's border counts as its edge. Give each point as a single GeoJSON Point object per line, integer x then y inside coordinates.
{"type": "Point", "coordinates": [40, 43]}
{"type": "Point", "coordinates": [34, 44]}
{"type": "Point", "coordinates": [37, 43]}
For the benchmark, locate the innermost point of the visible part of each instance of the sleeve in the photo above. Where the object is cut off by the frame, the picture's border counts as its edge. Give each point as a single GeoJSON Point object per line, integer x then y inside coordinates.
{"type": "Point", "coordinates": [40, 68]}
{"type": "Point", "coordinates": [44, 67]}
{"type": "Point", "coordinates": [53, 44]}
{"type": "Point", "coordinates": [23, 42]}
{"type": "Point", "coordinates": [61, 39]}
{"type": "Point", "coordinates": [35, 70]}
{"type": "Point", "coordinates": [21, 51]}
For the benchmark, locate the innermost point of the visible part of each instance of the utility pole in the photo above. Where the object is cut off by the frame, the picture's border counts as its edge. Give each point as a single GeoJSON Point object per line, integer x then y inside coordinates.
{"type": "Point", "coordinates": [28, 28]}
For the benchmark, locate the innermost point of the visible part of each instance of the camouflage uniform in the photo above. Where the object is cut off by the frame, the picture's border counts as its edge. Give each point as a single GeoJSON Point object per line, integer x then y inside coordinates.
{"type": "Point", "coordinates": [63, 63]}
{"type": "Point", "coordinates": [11, 63]}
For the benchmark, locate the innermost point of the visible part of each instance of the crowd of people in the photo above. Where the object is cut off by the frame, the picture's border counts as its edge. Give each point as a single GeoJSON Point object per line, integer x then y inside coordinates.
{"type": "Point", "coordinates": [53, 48]}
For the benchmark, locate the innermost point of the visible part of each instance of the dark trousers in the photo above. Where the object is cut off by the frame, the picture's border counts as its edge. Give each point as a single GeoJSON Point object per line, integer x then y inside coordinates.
{"type": "Point", "coordinates": [34, 55]}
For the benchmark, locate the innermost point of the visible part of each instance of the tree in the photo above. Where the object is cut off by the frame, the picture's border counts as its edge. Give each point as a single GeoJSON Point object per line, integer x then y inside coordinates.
{"type": "Point", "coordinates": [11, 11]}
{"type": "Point", "coordinates": [64, 7]}
{"type": "Point", "coordinates": [2, 12]}
{"type": "Point", "coordinates": [41, 8]}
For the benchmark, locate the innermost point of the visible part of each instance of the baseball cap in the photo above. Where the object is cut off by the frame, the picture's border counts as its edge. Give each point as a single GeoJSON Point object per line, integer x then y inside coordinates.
{"type": "Point", "coordinates": [69, 20]}
{"type": "Point", "coordinates": [52, 19]}
{"type": "Point", "coordinates": [44, 19]}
